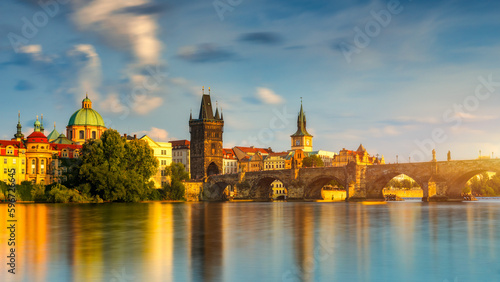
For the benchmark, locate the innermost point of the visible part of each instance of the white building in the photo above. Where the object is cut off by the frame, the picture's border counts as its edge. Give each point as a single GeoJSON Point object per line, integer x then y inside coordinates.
{"type": "Point", "coordinates": [229, 161]}
{"type": "Point", "coordinates": [181, 153]}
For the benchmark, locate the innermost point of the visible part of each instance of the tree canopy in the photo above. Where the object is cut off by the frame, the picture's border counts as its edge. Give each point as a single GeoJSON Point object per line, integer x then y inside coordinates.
{"type": "Point", "coordinates": [117, 170]}
{"type": "Point", "coordinates": [312, 161]}
{"type": "Point", "coordinates": [175, 190]}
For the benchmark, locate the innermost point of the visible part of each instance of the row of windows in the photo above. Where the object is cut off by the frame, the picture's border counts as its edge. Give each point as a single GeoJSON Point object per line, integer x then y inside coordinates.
{"type": "Point", "coordinates": [5, 171]}
{"type": "Point", "coordinates": [177, 153]}
{"type": "Point", "coordinates": [81, 135]}
{"type": "Point", "coordinates": [163, 152]}
{"type": "Point", "coordinates": [268, 166]}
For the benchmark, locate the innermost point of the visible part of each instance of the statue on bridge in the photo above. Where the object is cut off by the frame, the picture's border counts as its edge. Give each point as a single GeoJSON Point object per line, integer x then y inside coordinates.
{"type": "Point", "coordinates": [434, 155]}
{"type": "Point", "coordinates": [449, 155]}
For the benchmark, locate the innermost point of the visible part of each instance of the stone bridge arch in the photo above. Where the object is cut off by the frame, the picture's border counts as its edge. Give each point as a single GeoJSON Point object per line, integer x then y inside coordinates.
{"type": "Point", "coordinates": [458, 173]}
{"type": "Point", "coordinates": [215, 186]}
{"type": "Point", "coordinates": [377, 177]}
{"type": "Point", "coordinates": [315, 178]}
{"type": "Point", "coordinates": [315, 185]}
{"type": "Point", "coordinates": [261, 186]}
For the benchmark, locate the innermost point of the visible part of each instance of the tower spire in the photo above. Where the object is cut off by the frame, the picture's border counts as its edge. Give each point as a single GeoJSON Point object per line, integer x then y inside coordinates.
{"type": "Point", "coordinates": [19, 135]}
{"type": "Point", "coordinates": [216, 110]}
{"type": "Point", "coordinates": [301, 122]}
{"type": "Point", "coordinates": [41, 126]}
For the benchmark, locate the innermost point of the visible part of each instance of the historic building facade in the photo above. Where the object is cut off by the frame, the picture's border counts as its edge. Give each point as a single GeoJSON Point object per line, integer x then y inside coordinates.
{"type": "Point", "coordinates": [230, 162]}
{"type": "Point", "coordinates": [206, 140]}
{"type": "Point", "coordinates": [163, 153]}
{"type": "Point", "coordinates": [360, 157]}
{"type": "Point", "coordinates": [84, 124]}
{"type": "Point", "coordinates": [181, 153]}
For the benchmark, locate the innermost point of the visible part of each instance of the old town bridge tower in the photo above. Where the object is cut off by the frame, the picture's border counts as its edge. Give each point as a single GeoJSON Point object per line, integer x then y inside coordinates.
{"type": "Point", "coordinates": [206, 140]}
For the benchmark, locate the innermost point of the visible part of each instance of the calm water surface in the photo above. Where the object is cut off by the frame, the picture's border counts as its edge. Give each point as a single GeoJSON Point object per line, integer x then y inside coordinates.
{"type": "Point", "coordinates": [249, 241]}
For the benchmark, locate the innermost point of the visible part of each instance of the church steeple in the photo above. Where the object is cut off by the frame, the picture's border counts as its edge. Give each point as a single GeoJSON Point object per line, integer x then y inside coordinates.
{"type": "Point", "coordinates": [19, 135]}
{"type": "Point", "coordinates": [301, 123]}
{"type": "Point", "coordinates": [301, 139]}
{"type": "Point", "coordinates": [42, 130]}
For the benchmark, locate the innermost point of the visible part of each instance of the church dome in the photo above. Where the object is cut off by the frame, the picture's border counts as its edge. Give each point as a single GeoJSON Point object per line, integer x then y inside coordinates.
{"type": "Point", "coordinates": [86, 115]}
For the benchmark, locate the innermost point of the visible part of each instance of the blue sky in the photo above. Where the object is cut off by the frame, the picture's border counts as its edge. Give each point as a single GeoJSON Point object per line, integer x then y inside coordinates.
{"type": "Point", "coordinates": [401, 77]}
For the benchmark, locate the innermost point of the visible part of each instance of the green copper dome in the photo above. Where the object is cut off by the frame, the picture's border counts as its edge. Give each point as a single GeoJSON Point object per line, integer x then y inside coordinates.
{"type": "Point", "coordinates": [87, 117]}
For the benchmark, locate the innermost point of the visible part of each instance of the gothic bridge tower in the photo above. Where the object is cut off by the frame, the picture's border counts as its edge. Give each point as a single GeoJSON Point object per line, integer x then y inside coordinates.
{"type": "Point", "coordinates": [206, 140]}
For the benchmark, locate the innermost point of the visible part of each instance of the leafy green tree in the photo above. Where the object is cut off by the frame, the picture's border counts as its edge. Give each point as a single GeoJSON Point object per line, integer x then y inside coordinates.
{"type": "Point", "coordinates": [61, 194]}
{"type": "Point", "coordinates": [175, 190]}
{"type": "Point", "coordinates": [4, 188]}
{"type": "Point", "coordinates": [38, 193]}
{"type": "Point", "coordinates": [335, 184]}
{"type": "Point", "coordinates": [312, 161]}
{"type": "Point", "coordinates": [23, 191]}
{"type": "Point", "coordinates": [117, 170]}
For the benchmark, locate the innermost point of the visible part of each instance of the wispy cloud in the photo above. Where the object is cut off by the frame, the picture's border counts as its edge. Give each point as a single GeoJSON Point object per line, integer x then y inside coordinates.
{"type": "Point", "coordinates": [267, 96]}
{"type": "Point", "coordinates": [122, 24]}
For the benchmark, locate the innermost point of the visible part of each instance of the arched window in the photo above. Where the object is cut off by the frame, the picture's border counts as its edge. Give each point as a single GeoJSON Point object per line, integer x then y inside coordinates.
{"type": "Point", "coordinates": [82, 134]}
{"type": "Point", "coordinates": [94, 134]}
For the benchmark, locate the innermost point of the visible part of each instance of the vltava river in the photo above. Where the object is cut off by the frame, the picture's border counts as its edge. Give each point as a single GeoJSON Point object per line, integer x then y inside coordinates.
{"type": "Point", "coordinates": [249, 241]}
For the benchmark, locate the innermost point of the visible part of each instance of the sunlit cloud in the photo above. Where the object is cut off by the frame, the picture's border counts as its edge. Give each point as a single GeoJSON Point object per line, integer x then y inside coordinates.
{"type": "Point", "coordinates": [267, 96]}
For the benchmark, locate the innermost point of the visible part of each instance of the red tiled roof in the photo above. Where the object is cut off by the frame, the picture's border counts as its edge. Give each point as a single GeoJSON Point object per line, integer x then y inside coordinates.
{"type": "Point", "coordinates": [5, 143]}
{"type": "Point", "coordinates": [176, 143]}
{"type": "Point", "coordinates": [228, 153]}
{"type": "Point", "coordinates": [254, 150]}
{"type": "Point", "coordinates": [279, 154]}
{"type": "Point", "coordinates": [37, 137]}
{"type": "Point", "coordinates": [59, 147]}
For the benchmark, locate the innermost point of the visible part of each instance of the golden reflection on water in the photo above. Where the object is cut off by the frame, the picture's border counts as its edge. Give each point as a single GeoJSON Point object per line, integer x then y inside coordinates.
{"type": "Point", "coordinates": [223, 241]}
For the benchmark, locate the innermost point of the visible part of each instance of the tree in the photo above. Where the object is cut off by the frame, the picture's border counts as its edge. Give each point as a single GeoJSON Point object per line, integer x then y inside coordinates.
{"type": "Point", "coordinates": [175, 190]}
{"type": "Point", "coordinates": [312, 161]}
{"type": "Point", "coordinates": [117, 170]}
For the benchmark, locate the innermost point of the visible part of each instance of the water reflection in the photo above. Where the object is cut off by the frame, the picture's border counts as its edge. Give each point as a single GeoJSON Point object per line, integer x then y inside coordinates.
{"type": "Point", "coordinates": [256, 241]}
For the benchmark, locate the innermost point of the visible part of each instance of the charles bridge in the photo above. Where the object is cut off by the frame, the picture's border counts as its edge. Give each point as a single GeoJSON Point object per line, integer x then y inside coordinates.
{"type": "Point", "coordinates": [440, 181]}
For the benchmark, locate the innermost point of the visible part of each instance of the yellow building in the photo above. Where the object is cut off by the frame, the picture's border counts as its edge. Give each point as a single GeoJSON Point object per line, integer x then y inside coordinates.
{"type": "Point", "coordinates": [162, 152]}
{"type": "Point", "coordinates": [38, 156]}
{"type": "Point", "coordinates": [360, 157]}
{"type": "Point", "coordinates": [13, 156]}
{"type": "Point", "coordinates": [279, 190]}
{"type": "Point", "coordinates": [85, 124]}
{"type": "Point", "coordinates": [277, 161]}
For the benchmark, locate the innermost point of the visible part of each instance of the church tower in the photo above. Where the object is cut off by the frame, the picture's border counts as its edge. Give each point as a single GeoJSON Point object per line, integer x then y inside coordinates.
{"type": "Point", "coordinates": [206, 140]}
{"type": "Point", "coordinates": [301, 139]}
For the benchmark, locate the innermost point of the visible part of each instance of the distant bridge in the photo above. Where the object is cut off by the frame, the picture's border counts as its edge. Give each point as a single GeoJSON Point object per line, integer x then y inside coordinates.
{"type": "Point", "coordinates": [440, 181]}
